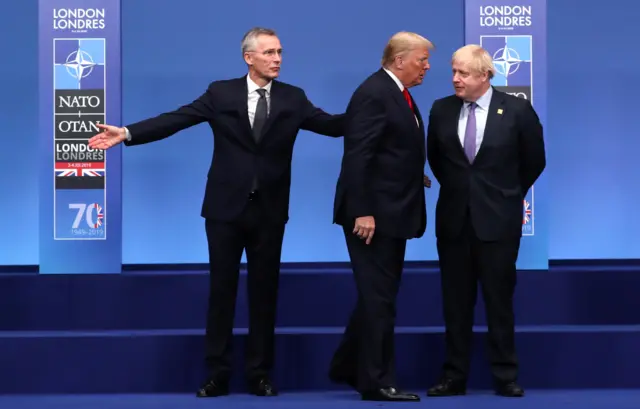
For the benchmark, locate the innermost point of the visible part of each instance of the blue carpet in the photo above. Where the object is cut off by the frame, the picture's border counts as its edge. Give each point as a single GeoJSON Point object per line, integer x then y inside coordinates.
{"type": "Point", "coordinates": [535, 399]}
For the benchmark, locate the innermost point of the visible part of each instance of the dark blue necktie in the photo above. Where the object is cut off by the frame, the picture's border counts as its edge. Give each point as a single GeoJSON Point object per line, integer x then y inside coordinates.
{"type": "Point", "coordinates": [261, 115]}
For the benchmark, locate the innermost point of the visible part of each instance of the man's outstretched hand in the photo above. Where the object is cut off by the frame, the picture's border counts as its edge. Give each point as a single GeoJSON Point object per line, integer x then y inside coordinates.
{"type": "Point", "coordinates": [109, 137]}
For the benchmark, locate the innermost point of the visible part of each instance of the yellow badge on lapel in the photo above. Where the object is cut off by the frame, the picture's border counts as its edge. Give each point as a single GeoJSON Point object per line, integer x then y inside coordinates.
{"type": "Point", "coordinates": [500, 111]}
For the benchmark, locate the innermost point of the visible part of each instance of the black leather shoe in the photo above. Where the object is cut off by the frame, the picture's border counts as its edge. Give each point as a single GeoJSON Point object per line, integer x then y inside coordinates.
{"type": "Point", "coordinates": [448, 387]}
{"type": "Point", "coordinates": [390, 395]}
{"type": "Point", "coordinates": [510, 390]}
{"type": "Point", "coordinates": [262, 387]}
{"type": "Point", "coordinates": [213, 388]}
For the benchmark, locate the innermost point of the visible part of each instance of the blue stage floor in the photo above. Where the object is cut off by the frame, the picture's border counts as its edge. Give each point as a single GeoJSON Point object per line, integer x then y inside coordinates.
{"type": "Point", "coordinates": [535, 399]}
{"type": "Point", "coordinates": [135, 340]}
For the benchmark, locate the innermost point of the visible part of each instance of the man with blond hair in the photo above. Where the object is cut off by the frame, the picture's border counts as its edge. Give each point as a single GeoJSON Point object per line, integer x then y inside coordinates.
{"type": "Point", "coordinates": [380, 204]}
{"type": "Point", "coordinates": [486, 150]}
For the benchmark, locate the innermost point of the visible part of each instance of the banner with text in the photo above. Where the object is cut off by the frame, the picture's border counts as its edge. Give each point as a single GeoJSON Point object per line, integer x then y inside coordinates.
{"type": "Point", "coordinates": [79, 87]}
{"type": "Point", "coordinates": [514, 33]}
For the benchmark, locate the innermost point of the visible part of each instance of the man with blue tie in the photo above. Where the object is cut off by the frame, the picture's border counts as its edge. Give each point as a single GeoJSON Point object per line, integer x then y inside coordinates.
{"type": "Point", "coordinates": [255, 120]}
{"type": "Point", "coordinates": [486, 149]}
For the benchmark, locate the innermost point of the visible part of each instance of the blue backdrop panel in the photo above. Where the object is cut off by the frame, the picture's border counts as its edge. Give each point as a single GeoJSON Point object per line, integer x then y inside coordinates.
{"type": "Point", "coordinates": [514, 32]}
{"type": "Point", "coordinates": [588, 187]}
{"type": "Point", "coordinates": [80, 188]}
{"type": "Point", "coordinates": [328, 51]}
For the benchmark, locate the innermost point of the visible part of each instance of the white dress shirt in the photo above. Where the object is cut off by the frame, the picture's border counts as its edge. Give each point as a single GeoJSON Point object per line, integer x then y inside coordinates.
{"type": "Point", "coordinates": [253, 97]}
{"type": "Point", "coordinates": [482, 112]}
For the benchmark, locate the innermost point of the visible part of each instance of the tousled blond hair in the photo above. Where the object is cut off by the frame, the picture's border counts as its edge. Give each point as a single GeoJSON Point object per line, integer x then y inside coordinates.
{"type": "Point", "coordinates": [476, 58]}
{"type": "Point", "coordinates": [401, 43]}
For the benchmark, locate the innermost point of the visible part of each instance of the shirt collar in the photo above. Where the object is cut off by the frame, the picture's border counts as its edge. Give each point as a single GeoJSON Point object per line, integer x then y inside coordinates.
{"type": "Point", "coordinates": [484, 101]}
{"type": "Point", "coordinates": [252, 86]}
{"type": "Point", "coordinates": [395, 79]}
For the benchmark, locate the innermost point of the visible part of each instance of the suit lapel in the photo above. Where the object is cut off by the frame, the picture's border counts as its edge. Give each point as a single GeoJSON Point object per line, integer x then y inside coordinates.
{"type": "Point", "coordinates": [420, 127]}
{"type": "Point", "coordinates": [398, 97]}
{"type": "Point", "coordinates": [454, 122]}
{"type": "Point", "coordinates": [245, 133]}
{"type": "Point", "coordinates": [494, 116]}
{"type": "Point", "coordinates": [275, 106]}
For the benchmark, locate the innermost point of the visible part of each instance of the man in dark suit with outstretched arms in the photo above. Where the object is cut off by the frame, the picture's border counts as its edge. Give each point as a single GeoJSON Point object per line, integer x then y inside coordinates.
{"type": "Point", "coordinates": [255, 120]}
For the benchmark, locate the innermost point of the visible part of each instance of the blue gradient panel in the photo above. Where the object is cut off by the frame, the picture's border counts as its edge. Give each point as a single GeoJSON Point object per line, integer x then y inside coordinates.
{"type": "Point", "coordinates": [164, 181]}
{"type": "Point", "coordinates": [80, 189]}
{"type": "Point", "coordinates": [588, 185]}
{"type": "Point", "coordinates": [513, 32]}
{"type": "Point", "coordinates": [95, 48]}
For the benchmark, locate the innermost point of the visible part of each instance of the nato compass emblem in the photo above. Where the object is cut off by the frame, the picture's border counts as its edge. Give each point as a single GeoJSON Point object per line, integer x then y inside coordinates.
{"type": "Point", "coordinates": [79, 64]}
{"type": "Point", "coordinates": [511, 59]}
{"type": "Point", "coordinates": [506, 61]}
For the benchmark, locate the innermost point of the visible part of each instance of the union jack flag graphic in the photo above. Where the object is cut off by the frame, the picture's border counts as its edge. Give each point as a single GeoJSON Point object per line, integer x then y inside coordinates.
{"type": "Point", "coordinates": [526, 212]}
{"type": "Point", "coordinates": [79, 172]}
{"type": "Point", "coordinates": [76, 169]}
{"type": "Point", "coordinates": [99, 215]}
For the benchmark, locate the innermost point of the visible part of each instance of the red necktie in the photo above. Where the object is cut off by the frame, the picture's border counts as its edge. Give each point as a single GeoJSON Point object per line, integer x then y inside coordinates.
{"type": "Point", "coordinates": [408, 98]}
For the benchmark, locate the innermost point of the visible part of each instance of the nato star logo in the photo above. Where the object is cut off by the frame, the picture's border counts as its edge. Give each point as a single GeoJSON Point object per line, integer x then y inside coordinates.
{"type": "Point", "coordinates": [511, 59]}
{"type": "Point", "coordinates": [506, 61]}
{"type": "Point", "coordinates": [79, 64]}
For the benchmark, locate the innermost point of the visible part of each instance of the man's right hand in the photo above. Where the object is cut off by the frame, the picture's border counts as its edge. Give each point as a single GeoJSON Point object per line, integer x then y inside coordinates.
{"type": "Point", "coordinates": [364, 228]}
{"type": "Point", "coordinates": [109, 137]}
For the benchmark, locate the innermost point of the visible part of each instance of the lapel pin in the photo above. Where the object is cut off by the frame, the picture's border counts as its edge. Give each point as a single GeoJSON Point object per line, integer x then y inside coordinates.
{"type": "Point", "coordinates": [500, 111]}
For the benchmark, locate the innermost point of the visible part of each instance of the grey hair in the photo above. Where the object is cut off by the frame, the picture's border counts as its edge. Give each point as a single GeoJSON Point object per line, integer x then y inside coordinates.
{"type": "Point", "coordinates": [249, 39]}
